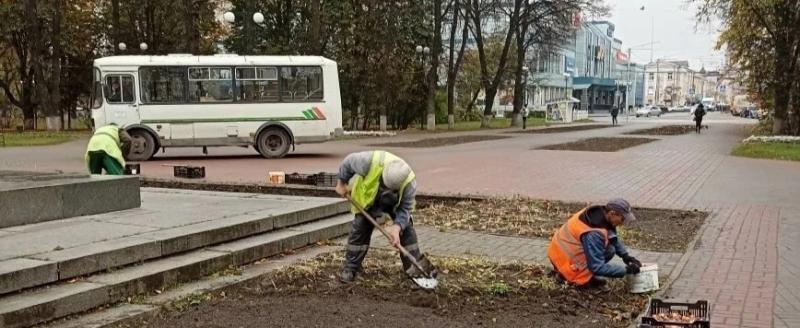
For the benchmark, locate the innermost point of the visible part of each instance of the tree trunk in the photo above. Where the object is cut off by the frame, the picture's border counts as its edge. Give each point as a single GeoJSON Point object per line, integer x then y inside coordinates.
{"type": "Point", "coordinates": [115, 38]}
{"type": "Point", "coordinates": [454, 66]}
{"type": "Point", "coordinates": [782, 87]}
{"type": "Point", "coordinates": [490, 93]}
{"type": "Point", "coordinates": [29, 123]}
{"type": "Point", "coordinates": [316, 28]}
{"type": "Point", "coordinates": [188, 26]}
{"type": "Point", "coordinates": [54, 101]}
{"type": "Point", "coordinates": [473, 99]}
{"type": "Point", "coordinates": [486, 121]}
{"type": "Point", "coordinates": [519, 84]}
{"type": "Point", "coordinates": [433, 73]}
{"type": "Point", "coordinates": [794, 107]}
{"type": "Point", "coordinates": [491, 84]}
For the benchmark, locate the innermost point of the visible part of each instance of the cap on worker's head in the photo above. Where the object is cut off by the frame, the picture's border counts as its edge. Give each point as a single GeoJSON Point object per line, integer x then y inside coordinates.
{"type": "Point", "coordinates": [622, 207]}
{"type": "Point", "coordinates": [395, 173]}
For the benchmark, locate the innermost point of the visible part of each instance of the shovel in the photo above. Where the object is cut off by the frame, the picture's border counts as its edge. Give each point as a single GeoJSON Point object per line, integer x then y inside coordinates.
{"type": "Point", "coordinates": [421, 271]}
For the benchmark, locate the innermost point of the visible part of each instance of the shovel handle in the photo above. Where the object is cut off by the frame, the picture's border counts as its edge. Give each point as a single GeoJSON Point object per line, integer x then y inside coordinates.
{"type": "Point", "coordinates": [399, 247]}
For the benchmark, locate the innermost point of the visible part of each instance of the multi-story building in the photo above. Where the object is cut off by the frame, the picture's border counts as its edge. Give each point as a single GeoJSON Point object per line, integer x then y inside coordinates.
{"type": "Point", "coordinates": [551, 79]}
{"type": "Point", "coordinates": [670, 83]}
{"type": "Point", "coordinates": [629, 77]}
{"type": "Point", "coordinates": [593, 82]}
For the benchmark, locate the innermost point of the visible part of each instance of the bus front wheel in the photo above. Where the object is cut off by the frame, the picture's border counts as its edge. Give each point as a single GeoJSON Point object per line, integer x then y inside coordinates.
{"type": "Point", "coordinates": [143, 146]}
{"type": "Point", "coordinates": [273, 143]}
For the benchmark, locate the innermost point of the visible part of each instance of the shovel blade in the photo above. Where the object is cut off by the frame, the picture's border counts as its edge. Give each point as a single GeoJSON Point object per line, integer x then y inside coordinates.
{"type": "Point", "coordinates": [425, 278]}
{"type": "Point", "coordinates": [426, 283]}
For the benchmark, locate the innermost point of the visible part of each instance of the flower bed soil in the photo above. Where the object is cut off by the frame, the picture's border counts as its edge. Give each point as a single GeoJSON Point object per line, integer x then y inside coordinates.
{"type": "Point", "coordinates": [599, 144]}
{"type": "Point", "coordinates": [562, 129]}
{"type": "Point", "coordinates": [472, 292]}
{"type": "Point", "coordinates": [439, 142]}
{"type": "Point", "coordinates": [667, 130]}
{"type": "Point", "coordinates": [537, 218]}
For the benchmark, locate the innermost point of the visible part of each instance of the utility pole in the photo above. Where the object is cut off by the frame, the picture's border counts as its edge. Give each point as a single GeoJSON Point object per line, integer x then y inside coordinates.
{"type": "Point", "coordinates": [628, 84]}
{"type": "Point", "coordinates": [655, 102]}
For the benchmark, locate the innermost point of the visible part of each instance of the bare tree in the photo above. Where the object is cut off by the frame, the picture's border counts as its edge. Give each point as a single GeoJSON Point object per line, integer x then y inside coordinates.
{"type": "Point", "coordinates": [547, 26]}
{"type": "Point", "coordinates": [480, 12]}
{"type": "Point", "coordinates": [455, 58]}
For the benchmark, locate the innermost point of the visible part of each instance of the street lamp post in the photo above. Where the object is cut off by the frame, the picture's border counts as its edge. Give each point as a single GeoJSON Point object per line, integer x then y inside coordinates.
{"type": "Point", "coordinates": [566, 95]}
{"type": "Point", "coordinates": [258, 19]}
{"type": "Point", "coordinates": [423, 54]}
{"type": "Point", "coordinates": [525, 96]}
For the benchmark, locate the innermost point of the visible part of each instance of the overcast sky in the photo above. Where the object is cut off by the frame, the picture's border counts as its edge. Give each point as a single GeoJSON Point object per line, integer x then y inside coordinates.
{"type": "Point", "coordinates": [676, 34]}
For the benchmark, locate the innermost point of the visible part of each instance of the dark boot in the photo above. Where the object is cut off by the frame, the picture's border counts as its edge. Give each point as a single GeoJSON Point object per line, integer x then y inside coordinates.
{"type": "Point", "coordinates": [347, 275]}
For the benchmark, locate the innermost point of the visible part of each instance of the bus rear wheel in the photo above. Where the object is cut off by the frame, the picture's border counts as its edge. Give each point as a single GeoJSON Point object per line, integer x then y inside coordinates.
{"type": "Point", "coordinates": [143, 146]}
{"type": "Point", "coordinates": [273, 143]}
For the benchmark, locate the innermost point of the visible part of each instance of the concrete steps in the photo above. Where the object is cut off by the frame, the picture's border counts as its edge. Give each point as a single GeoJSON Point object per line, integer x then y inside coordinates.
{"type": "Point", "coordinates": [31, 197]}
{"type": "Point", "coordinates": [206, 254]}
{"type": "Point", "coordinates": [142, 243]}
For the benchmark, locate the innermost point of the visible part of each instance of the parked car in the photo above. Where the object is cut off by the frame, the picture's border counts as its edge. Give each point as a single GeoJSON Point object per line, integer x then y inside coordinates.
{"type": "Point", "coordinates": [648, 111]}
{"type": "Point", "coordinates": [752, 112]}
{"type": "Point", "coordinates": [678, 109]}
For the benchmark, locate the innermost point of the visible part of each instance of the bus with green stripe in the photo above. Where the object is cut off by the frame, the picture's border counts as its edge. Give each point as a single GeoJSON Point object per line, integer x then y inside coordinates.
{"type": "Point", "coordinates": [269, 103]}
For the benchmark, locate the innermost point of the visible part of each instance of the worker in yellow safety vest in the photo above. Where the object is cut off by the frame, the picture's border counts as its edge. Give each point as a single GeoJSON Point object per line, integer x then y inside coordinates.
{"type": "Point", "coordinates": [379, 182]}
{"type": "Point", "coordinates": [106, 148]}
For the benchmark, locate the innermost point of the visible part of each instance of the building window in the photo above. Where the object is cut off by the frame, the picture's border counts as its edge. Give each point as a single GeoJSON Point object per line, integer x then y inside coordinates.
{"type": "Point", "coordinates": [669, 76]}
{"type": "Point", "coordinates": [651, 76]}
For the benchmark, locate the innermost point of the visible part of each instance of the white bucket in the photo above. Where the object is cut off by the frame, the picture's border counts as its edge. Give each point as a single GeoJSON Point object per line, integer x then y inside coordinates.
{"type": "Point", "coordinates": [646, 280]}
{"type": "Point", "coordinates": [277, 177]}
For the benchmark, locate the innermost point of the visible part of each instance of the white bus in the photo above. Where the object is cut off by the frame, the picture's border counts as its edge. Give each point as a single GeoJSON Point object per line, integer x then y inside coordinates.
{"type": "Point", "coordinates": [268, 102]}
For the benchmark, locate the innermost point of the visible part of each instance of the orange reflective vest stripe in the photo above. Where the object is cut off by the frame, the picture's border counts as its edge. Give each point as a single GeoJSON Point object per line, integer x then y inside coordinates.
{"type": "Point", "coordinates": [566, 251]}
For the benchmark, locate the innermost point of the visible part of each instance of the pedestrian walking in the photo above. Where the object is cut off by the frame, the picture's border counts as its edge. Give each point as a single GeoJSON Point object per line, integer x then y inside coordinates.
{"type": "Point", "coordinates": [614, 113]}
{"type": "Point", "coordinates": [699, 112]}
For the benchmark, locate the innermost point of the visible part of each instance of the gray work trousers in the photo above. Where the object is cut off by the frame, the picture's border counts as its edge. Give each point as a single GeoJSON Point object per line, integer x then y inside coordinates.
{"type": "Point", "coordinates": [361, 233]}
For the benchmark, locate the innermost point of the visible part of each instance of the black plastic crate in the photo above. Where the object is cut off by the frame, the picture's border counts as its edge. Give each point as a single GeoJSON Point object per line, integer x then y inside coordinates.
{"type": "Point", "coordinates": [700, 309]}
{"type": "Point", "coordinates": [190, 172]}
{"type": "Point", "coordinates": [133, 169]}
{"type": "Point", "coordinates": [323, 179]}
{"type": "Point", "coordinates": [298, 178]}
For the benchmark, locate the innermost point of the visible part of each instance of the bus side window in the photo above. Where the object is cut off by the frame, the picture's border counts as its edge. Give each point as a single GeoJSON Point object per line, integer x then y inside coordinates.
{"type": "Point", "coordinates": [301, 84]}
{"type": "Point", "coordinates": [119, 89]}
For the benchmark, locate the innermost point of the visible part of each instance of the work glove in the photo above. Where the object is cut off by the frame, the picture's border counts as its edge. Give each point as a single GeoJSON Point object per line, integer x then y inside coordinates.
{"type": "Point", "coordinates": [632, 269]}
{"type": "Point", "coordinates": [630, 260]}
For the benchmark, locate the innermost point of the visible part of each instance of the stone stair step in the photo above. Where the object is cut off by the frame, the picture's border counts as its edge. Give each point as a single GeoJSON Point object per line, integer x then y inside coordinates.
{"type": "Point", "coordinates": [65, 298]}
{"type": "Point", "coordinates": [60, 196]}
{"type": "Point", "coordinates": [58, 265]}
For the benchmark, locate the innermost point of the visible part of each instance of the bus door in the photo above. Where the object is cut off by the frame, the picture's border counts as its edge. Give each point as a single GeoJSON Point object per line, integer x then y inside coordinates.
{"type": "Point", "coordinates": [121, 103]}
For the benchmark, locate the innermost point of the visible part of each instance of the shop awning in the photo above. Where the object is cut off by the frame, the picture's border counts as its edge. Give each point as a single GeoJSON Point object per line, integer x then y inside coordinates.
{"type": "Point", "coordinates": [580, 86]}
{"type": "Point", "coordinates": [559, 101]}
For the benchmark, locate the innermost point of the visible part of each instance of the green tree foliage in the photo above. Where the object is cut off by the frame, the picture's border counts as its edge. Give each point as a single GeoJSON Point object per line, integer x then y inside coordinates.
{"type": "Point", "coordinates": [372, 42]}
{"type": "Point", "coordinates": [762, 38]}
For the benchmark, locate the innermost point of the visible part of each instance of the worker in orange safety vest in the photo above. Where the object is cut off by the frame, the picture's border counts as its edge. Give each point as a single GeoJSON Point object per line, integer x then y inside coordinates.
{"type": "Point", "coordinates": [582, 248]}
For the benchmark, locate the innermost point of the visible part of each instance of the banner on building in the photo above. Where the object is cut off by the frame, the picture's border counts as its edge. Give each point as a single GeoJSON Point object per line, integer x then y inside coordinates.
{"type": "Point", "coordinates": [621, 56]}
{"type": "Point", "coordinates": [569, 65]}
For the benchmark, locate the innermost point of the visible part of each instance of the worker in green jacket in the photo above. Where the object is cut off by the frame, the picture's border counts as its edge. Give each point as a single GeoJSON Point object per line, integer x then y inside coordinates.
{"type": "Point", "coordinates": [379, 182]}
{"type": "Point", "coordinates": [105, 150]}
